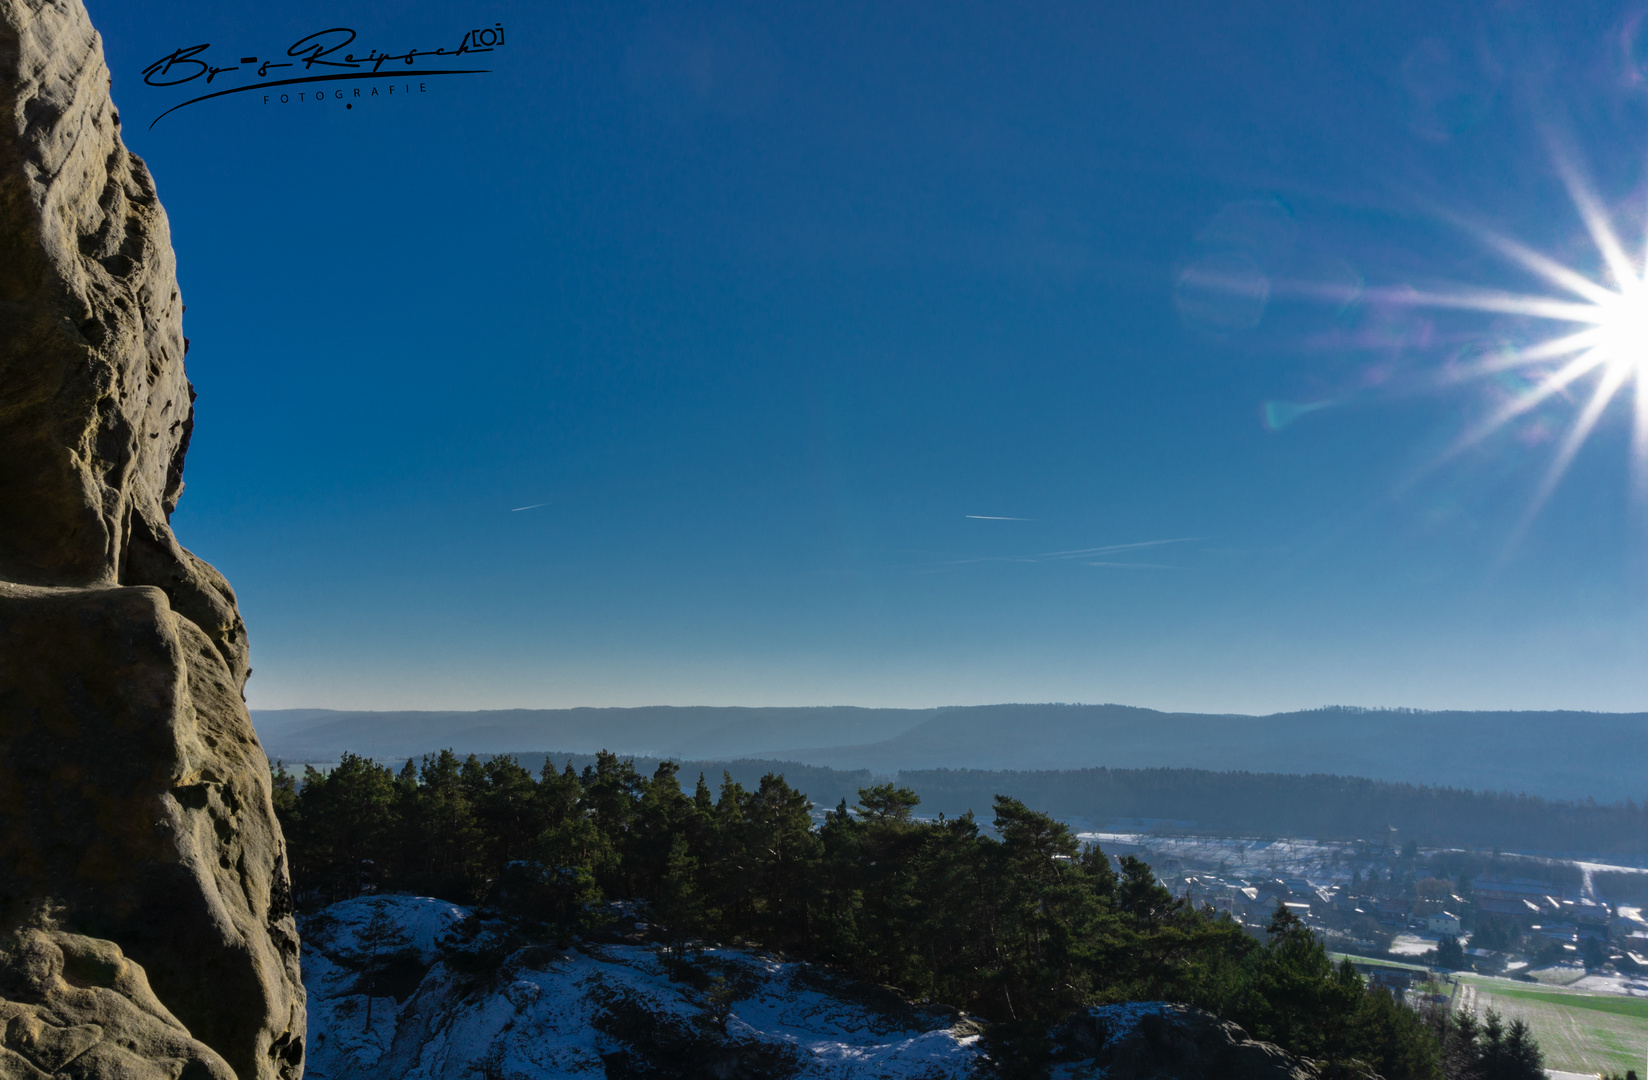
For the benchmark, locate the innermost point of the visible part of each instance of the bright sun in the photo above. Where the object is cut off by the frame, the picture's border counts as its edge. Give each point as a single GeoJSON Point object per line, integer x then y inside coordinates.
{"type": "Point", "coordinates": [1600, 335]}
{"type": "Point", "coordinates": [1622, 326]}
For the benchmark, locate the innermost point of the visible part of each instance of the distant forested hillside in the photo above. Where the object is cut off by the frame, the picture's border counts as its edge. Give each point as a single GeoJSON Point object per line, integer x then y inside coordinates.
{"type": "Point", "coordinates": [322, 735]}
{"type": "Point", "coordinates": [1315, 806]}
{"type": "Point", "coordinates": [1555, 755]}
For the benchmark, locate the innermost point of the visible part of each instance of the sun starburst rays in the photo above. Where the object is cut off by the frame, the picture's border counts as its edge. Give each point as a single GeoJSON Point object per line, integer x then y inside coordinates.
{"type": "Point", "coordinates": [1600, 332]}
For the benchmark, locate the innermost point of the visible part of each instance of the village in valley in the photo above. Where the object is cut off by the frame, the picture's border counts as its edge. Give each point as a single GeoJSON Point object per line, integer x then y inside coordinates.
{"type": "Point", "coordinates": [1546, 919]}
{"type": "Point", "coordinates": [1560, 942]}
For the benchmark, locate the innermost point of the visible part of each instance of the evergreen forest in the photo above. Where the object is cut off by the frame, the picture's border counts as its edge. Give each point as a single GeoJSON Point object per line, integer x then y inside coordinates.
{"type": "Point", "coordinates": [1318, 806]}
{"type": "Point", "coordinates": [1018, 924]}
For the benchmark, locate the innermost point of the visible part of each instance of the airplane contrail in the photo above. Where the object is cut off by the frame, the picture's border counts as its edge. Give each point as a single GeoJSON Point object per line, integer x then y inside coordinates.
{"type": "Point", "coordinates": [1076, 553]}
{"type": "Point", "coordinates": [534, 506]}
{"type": "Point", "coordinates": [992, 517]}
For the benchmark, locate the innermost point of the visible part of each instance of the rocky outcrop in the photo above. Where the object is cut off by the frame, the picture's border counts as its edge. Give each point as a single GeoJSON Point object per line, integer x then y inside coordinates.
{"type": "Point", "coordinates": [1153, 1040]}
{"type": "Point", "coordinates": [134, 797]}
{"type": "Point", "coordinates": [409, 988]}
{"type": "Point", "coordinates": [75, 1007]}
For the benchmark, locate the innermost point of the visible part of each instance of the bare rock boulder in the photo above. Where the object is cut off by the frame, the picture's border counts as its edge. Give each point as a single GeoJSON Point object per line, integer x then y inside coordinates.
{"type": "Point", "coordinates": [134, 796]}
{"type": "Point", "coordinates": [1154, 1040]}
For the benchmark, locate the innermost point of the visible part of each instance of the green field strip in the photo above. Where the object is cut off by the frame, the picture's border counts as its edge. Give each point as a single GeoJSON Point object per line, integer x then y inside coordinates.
{"type": "Point", "coordinates": [1369, 961]}
{"type": "Point", "coordinates": [1636, 1008]}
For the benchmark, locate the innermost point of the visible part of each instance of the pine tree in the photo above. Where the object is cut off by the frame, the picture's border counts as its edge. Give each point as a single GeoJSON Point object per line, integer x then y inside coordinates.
{"type": "Point", "coordinates": [283, 791]}
{"type": "Point", "coordinates": [661, 816]}
{"type": "Point", "coordinates": [380, 937]}
{"type": "Point", "coordinates": [1295, 996]}
{"type": "Point", "coordinates": [887, 803]}
{"type": "Point", "coordinates": [883, 874]}
{"type": "Point", "coordinates": [678, 902]}
{"type": "Point", "coordinates": [507, 814]}
{"type": "Point", "coordinates": [728, 857]}
{"type": "Point", "coordinates": [1450, 953]}
{"type": "Point", "coordinates": [345, 817]}
{"type": "Point", "coordinates": [783, 859]}
{"type": "Point", "coordinates": [1509, 1053]}
{"type": "Point", "coordinates": [946, 930]}
{"type": "Point", "coordinates": [1458, 1034]}
{"type": "Point", "coordinates": [1050, 915]}
{"type": "Point", "coordinates": [448, 858]}
{"type": "Point", "coordinates": [1139, 893]}
{"type": "Point", "coordinates": [1099, 871]}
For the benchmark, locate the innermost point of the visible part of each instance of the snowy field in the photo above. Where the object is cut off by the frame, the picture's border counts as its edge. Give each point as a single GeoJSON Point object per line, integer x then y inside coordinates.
{"type": "Point", "coordinates": [1413, 944]}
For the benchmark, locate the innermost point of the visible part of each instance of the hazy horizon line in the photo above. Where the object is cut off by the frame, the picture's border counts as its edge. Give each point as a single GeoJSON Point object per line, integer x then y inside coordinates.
{"type": "Point", "coordinates": [1359, 709]}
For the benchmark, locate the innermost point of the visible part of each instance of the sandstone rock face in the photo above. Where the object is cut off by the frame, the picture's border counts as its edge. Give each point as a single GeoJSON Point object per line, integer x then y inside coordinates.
{"type": "Point", "coordinates": [75, 1007]}
{"type": "Point", "coordinates": [134, 797]}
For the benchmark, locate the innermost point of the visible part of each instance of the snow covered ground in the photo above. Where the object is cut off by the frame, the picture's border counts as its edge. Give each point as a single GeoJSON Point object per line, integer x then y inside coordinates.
{"type": "Point", "coordinates": [1413, 944]}
{"type": "Point", "coordinates": [595, 1010]}
{"type": "Point", "coordinates": [1320, 860]}
{"type": "Point", "coordinates": [409, 987]}
{"type": "Point", "coordinates": [1629, 985]}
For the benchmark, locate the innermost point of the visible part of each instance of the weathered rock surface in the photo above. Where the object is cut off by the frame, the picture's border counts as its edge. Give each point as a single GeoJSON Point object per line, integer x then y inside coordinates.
{"type": "Point", "coordinates": [1153, 1040]}
{"type": "Point", "coordinates": [73, 1006]}
{"type": "Point", "coordinates": [134, 797]}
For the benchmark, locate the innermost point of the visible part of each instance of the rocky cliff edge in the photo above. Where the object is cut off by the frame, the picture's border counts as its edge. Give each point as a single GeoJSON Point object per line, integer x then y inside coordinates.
{"type": "Point", "coordinates": [135, 814]}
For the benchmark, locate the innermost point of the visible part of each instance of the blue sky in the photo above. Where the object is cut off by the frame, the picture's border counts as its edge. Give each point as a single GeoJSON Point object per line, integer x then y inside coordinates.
{"type": "Point", "coordinates": [782, 317]}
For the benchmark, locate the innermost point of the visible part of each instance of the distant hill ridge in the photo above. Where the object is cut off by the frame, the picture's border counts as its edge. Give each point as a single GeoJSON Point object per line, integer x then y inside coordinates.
{"type": "Point", "coordinates": [1553, 754]}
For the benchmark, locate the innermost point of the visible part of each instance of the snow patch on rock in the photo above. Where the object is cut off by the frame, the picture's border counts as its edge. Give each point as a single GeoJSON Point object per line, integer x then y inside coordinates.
{"type": "Point", "coordinates": [595, 1010]}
